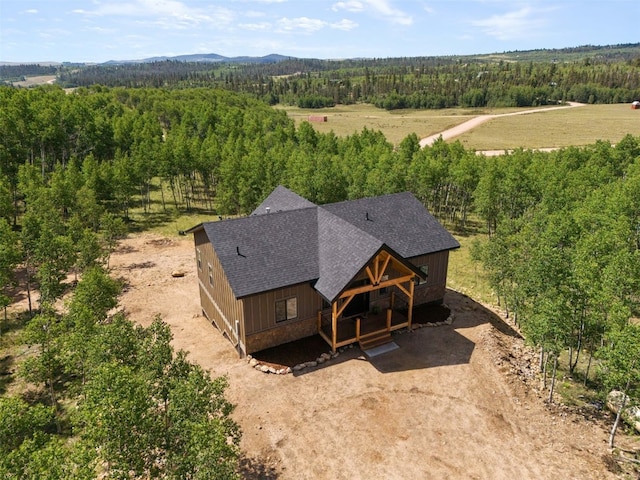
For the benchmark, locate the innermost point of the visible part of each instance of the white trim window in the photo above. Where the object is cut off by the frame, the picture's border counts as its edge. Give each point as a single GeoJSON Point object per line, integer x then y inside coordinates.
{"type": "Point", "coordinates": [210, 275]}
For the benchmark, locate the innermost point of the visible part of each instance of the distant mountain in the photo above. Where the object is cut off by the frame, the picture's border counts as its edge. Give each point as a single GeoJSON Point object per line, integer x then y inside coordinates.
{"type": "Point", "coordinates": [205, 58]}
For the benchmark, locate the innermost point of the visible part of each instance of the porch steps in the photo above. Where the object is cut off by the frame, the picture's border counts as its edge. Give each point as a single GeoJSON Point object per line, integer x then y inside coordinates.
{"type": "Point", "coordinates": [380, 338]}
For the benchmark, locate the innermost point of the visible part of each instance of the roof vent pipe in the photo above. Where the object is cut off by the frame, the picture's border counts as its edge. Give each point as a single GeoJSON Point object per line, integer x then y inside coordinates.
{"type": "Point", "coordinates": [268, 209]}
{"type": "Point", "coordinates": [367, 217]}
{"type": "Point", "coordinates": [239, 254]}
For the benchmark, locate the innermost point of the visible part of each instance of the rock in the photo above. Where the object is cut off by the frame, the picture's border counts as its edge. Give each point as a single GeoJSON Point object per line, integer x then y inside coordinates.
{"type": "Point", "coordinates": [631, 415]}
{"type": "Point", "coordinates": [253, 362]}
{"type": "Point", "coordinates": [320, 360]}
{"type": "Point", "coordinates": [178, 274]}
{"type": "Point", "coordinates": [326, 356]}
{"type": "Point", "coordinates": [264, 368]}
{"type": "Point", "coordinates": [287, 370]}
{"type": "Point", "coordinates": [299, 367]}
{"type": "Point", "coordinates": [311, 364]}
{"type": "Point", "coordinates": [271, 370]}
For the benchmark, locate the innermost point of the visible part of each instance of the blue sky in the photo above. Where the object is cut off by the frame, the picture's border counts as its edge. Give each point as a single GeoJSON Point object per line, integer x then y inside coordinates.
{"type": "Point", "coordinates": [101, 30]}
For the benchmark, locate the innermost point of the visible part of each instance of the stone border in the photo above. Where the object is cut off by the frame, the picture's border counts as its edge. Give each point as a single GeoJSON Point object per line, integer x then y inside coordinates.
{"type": "Point", "coordinates": [301, 366]}
{"type": "Point", "coordinates": [254, 363]}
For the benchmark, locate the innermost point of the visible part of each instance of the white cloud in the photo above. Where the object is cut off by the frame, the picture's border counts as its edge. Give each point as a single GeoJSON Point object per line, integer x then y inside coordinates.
{"type": "Point", "coordinates": [256, 27]}
{"type": "Point", "coordinates": [384, 8]}
{"type": "Point", "coordinates": [378, 8]}
{"type": "Point", "coordinates": [161, 12]}
{"type": "Point", "coordinates": [303, 24]}
{"type": "Point", "coordinates": [350, 6]}
{"type": "Point", "coordinates": [31, 11]}
{"type": "Point", "coordinates": [515, 24]}
{"type": "Point", "coordinates": [344, 25]}
{"type": "Point", "coordinates": [101, 30]}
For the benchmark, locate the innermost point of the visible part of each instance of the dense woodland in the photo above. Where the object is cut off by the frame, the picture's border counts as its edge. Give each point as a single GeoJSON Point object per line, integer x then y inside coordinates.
{"type": "Point", "coordinates": [562, 253]}
{"type": "Point", "coordinates": [391, 84]}
{"type": "Point", "coordinates": [515, 79]}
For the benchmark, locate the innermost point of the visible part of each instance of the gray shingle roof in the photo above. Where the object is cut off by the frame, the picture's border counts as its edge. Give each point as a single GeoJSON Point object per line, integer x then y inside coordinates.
{"type": "Point", "coordinates": [264, 252]}
{"type": "Point", "coordinates": [399, 220]}
{"type": "Point", "coordinates": [344, 250]}
{"type": "Point", "coordinates": [282, 199]}
{"type": "Point", "coordinates": [300, 242]}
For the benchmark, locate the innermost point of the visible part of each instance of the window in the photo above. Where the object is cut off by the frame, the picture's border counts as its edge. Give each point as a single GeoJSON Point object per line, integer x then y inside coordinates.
{"type": "Point", "coordinates": [424, 269]}
{"type": "Point", "coordinates": [210, 275]}
{"type": "Point", "coordinates": [199, 257]}
{"type": "Point", "coordinates": [286, 309]}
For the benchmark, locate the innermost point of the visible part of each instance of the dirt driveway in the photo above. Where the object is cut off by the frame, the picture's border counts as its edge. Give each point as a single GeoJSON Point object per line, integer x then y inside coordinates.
{"type": "Point", "coordinates": [480, 119]}
{"type": "Point", "coordinates": [455, 401]}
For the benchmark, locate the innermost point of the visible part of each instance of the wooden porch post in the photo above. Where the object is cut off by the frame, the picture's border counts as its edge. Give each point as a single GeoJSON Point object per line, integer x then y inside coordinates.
{"type": "Point", "coordinates": [319, 320]}
{"type": "Point", "coordinates": [410, 312]}
{"type": "Point", "coordinates": [334, 326]}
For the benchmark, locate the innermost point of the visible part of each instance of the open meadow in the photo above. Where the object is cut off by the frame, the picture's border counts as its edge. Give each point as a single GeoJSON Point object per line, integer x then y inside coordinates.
{"type": "Point", "coordinates": [546, 129]}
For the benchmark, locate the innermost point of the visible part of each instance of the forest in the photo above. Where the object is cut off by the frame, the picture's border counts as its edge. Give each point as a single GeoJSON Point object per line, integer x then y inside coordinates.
{"type": "Point", "coordinates": [586, 74]}
{"type": "Point", "coordinates": [561, 250]}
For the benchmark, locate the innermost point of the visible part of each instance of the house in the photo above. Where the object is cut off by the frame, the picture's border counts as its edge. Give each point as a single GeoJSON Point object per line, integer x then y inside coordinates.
{"type": "Point", "coordinates": [350, 271]}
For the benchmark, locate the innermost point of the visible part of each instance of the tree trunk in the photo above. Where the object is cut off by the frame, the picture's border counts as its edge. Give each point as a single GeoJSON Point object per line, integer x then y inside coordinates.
{"type": "Point", "coordinates": [28, 272]}
{"type": "Point", "coordinates": [553, 378]}
{"type": "Point", "coordinates": [544, 371]}
{"type": "Point", "coordinates": [572, 366]}
{"type": "Point", "coordinates": [586, 374]}
{"type": "Point", "coordinates": [173, 192]}
{"type": "Point", "coordinates": [612, 435]}
{"type": "Point", "coordinates": [164, 206]}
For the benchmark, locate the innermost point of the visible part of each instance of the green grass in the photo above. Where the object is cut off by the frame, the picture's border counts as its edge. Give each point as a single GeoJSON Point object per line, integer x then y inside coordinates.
{"type": "Point", "coordinates": [168, 224]}
{"type": "Point", "coordinates": [556, 128]}
{"type": "Point", "coordinates": [466, 275]}
{"type": "Point", "coordinates": [345, 120]}
{"type": "Point", "coordinates": [12, 352]}
{"type": "Point", "coordinates": [165, 220]}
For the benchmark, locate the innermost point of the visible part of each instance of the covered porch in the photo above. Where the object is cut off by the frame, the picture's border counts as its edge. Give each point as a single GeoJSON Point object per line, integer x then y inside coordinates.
{"type": "Point", "coordinates": [361, 328]}
{"type": "Point", "coordinates": [339, 327]}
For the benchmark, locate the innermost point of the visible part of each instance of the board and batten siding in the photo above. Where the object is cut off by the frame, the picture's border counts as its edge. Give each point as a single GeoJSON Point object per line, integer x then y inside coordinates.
{"type": "Point", "coordinates": [219, 304]}
{"type": "Point", "coordinates": [434, 288]}
{"type": "Point", "coordinates": [262, 330]}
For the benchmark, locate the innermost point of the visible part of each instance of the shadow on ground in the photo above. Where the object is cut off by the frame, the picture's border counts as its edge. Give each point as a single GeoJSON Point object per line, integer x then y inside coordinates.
{"type": "Point", "coordinates": [425, 347]}
{"type": "Point", "coordinates": [254, 469]}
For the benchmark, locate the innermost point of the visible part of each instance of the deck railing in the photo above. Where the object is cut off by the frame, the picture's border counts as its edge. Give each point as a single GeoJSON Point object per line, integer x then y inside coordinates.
{"type": "Point", "coordinates": [348, 333]}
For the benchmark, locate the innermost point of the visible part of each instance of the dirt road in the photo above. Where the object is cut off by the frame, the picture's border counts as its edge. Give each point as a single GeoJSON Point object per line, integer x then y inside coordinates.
{"type": "Point", "coordinates": [456, 401]}
{"type": "Point", "coordinates": [480, 119]}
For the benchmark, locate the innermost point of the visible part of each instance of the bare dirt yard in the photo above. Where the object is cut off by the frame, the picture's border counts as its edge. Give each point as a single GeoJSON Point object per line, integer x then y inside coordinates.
{"type": "Point", "coordinates": [454, 401]}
